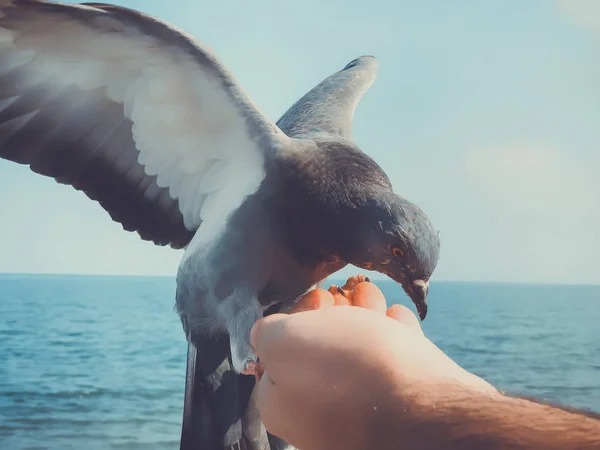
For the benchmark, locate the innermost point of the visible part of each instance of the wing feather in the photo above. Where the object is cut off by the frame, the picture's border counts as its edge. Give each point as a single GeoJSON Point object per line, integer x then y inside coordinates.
{"type": "Point", "coordinates": [131, 111]}
{"type": "Point", "coordinates": [328, 108]}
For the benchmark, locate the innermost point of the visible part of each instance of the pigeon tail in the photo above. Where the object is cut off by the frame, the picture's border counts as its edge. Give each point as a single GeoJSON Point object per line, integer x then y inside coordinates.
{"type": "Point", "coordinates": [219, 410]}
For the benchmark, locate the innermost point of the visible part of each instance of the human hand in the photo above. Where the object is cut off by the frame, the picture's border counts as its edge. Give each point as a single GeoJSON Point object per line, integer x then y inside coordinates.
{"type": "Point", "coordinates": [333, 375]}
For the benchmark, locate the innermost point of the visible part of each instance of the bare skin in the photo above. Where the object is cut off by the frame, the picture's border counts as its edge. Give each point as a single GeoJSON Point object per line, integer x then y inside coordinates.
{"type": "Point", "coordinates": [354, 379]}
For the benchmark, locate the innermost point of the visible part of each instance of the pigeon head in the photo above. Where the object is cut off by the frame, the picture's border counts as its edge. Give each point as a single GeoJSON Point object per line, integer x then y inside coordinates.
{"type": "Point", "coordinates": [400, 242]}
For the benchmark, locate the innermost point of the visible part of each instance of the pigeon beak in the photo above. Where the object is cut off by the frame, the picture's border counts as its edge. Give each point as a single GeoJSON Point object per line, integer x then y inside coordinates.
{"type": "Point", "coordinates": [418, 294]}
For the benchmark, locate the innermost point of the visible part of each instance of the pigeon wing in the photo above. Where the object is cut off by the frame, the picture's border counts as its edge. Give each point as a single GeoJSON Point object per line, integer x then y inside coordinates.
{"type": "Point", "coordinates": [328, 108]}
{"type": "Point", "coordinates": [131, 111]}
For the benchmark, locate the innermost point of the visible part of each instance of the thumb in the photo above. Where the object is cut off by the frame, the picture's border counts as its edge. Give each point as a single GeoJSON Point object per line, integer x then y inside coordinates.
{"type": "Point", "coordinates": [266, 333]}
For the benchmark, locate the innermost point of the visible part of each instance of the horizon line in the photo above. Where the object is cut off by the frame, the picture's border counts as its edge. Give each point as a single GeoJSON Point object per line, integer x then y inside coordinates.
{"type": "Point", "coordinates": [332, 277]}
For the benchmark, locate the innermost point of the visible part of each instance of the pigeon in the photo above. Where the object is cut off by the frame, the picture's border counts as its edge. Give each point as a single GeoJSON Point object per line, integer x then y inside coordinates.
{"type": "Point", "coordinates": [145, 120]}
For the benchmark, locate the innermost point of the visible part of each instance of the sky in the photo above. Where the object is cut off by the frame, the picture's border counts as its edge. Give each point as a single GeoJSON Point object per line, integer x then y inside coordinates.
{"type": "Point", "coordinates": [485, 114]}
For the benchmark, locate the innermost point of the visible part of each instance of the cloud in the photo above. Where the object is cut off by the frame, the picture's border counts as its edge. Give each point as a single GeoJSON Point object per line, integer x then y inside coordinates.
{"type": "Point", "coordinates": [532, 177]}
{"type": "Point", "coordinates": [536, 215]}
{"type": "Point", "coordinates": [585, 13]}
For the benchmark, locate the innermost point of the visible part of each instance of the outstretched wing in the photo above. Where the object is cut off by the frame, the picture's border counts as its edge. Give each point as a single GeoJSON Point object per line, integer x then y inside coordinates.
{"type": "Point", "coordinates": [129, 110]}
{"type": "Point", "coordinates": [328, 109]}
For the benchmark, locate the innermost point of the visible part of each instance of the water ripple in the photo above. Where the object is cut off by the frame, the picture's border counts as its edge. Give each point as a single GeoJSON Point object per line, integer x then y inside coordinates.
{"type": "Point", "coordinates": [104, 365]}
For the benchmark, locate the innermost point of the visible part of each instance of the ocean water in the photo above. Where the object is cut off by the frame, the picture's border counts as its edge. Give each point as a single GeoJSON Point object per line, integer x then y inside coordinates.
{"type": "Point", "coordinates": [99, 362]}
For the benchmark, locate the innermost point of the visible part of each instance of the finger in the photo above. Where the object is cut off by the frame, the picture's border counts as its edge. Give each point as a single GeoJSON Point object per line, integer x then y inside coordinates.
{"type": "Point", "coordinates": [264, 328]}
{"type": "Point", "coordinates": [315, 299]}
{"type": "Point", "coordinates": [269, 406]}
{"type": "Point", "coordinates": [368, 295]}
{"type": "Point", "coordinates": [267, 335]}
{"type": "Point", "coordinates": [340, 296]}
{"type": "Point", "coordinates": [274, 407]}
{"type": "Point", "coordinates": [404, 315]}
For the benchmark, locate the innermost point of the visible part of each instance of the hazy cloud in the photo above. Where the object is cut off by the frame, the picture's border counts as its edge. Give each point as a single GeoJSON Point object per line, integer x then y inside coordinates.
{"type": "Point", "coordinates": [543, 212]}
{"type": "Point", "coordinates": [532, 177]}
{"type": "Point", "coordinates": [585, 13]}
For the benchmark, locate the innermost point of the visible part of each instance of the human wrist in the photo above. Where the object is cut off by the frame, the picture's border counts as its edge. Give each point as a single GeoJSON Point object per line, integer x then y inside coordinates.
{"type": "Point", "coordinates": [424, 415]}
{"type": "Point", "coordinates": [458, 416]}
{"type": "Point", "coordinates": [413, 390]}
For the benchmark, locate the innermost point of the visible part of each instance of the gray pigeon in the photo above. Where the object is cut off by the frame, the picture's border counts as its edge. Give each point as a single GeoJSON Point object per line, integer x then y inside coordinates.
{"type": "Point", "coordinates": [146, 121]}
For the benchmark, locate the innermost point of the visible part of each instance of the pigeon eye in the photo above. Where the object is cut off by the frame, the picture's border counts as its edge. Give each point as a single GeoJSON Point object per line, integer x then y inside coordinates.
{"type": "Point", "coordinates": [397, 251]}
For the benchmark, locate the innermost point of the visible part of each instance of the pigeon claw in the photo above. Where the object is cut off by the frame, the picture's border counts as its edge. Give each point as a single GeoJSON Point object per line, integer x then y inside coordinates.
{"type": "Point", "coordinates": [253, 367]}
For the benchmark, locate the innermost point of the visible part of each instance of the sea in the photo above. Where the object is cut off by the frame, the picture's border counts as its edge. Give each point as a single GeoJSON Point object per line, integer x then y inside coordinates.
{"type": "Point", "coordinates": [98, 362]}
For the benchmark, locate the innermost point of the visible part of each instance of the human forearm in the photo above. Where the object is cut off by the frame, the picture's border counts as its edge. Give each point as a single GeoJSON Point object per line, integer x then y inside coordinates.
{"type": "Point", "coordinates": [348, 379]}
{"type": "Point", "coordinates": [463, 419]}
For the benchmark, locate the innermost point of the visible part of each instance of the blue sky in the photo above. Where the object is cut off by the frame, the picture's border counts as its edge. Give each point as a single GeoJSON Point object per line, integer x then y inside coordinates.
{"type": "Point", "coordinates": [486, 114]}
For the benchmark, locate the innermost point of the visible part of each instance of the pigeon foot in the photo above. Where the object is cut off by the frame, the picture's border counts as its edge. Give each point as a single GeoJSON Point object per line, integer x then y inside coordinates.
{"type": "Point", "coordinates": [241, 317]}
{"type": "Point", "coordinates": [253, 368]}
